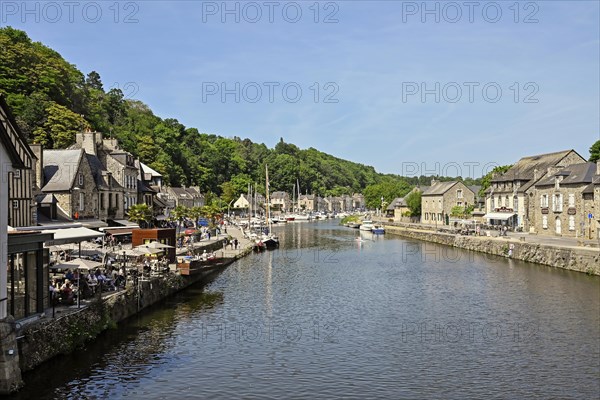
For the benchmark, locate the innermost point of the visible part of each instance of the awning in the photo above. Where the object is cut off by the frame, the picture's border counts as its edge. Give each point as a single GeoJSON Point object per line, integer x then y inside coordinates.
{"type": "Point", "coordinates": [124, 222]}
{"type": "Point", "coordinates": [499, 215]}
{"type": "Point", "coordinates": [72, 235]}
{"type": "Point", "coordinates": [119, 232]}
{"type": "Point", "coordinates": [93, 223]}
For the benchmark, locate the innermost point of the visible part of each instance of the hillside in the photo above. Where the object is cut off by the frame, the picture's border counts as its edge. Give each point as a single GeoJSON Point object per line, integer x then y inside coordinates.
{"type": "Point", "coordinates": [52, 100]}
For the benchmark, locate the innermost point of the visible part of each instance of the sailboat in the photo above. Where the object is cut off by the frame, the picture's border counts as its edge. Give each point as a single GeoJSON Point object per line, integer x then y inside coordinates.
{"type": "Point", "coordinates": [269, 240]}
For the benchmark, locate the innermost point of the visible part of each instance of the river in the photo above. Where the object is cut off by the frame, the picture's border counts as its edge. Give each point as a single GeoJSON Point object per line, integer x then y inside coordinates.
{"type": "Point", "coordinates": [327, 316]}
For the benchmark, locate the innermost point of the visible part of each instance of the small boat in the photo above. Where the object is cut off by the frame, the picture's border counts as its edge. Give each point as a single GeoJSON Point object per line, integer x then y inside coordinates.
{"type": "Point", "coordinates": [270, 242]}
{"type": "Point", "coordinates": [366, 225]}
{"type": "Point", "coordinates": [259, 246]}
{"type": "Point", "coordinates": [290, 218]}
{"type": "Point", "coordinates": [378, 230]}
{"type": "Point", "coordinates": [354, 225]}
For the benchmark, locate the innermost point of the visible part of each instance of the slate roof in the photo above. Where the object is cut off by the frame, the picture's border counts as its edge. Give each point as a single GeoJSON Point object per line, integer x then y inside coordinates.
{"type": "Point", "coordinates": [60, 169]}
{"type": "Point", "coordinates": [524, 168]}
{"type": "Point", "coordinates": [181, 193]}
{"type": "Point", "coordinates": [193, 192]}
{"type": "Point", "coordinates": [397, 202]}
{"type": "Point", "coordinates": [149, 170]}
{"type": "Point", "coordinates": [279, 195]}
{"type": "Point", "coordinates": [439, 188]}
{"type": "Point", "coordinates": [101, 176]}
{"type": "Point", "coordinates": [573, 174]}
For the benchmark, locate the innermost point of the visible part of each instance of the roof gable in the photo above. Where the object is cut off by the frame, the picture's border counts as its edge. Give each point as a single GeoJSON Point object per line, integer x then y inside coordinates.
{"type": "Point", "coordinates": [60, 169]}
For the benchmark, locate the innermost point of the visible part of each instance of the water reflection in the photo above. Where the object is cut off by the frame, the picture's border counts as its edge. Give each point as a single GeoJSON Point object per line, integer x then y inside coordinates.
{"type": "Point", "coordinates": [328, 316]}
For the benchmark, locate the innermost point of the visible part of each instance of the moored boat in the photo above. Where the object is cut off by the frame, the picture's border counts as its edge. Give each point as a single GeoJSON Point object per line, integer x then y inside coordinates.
{"type": "Point", "coordinates": [366, 225]}
{"type": "Point", "coordinates": [378, 229]}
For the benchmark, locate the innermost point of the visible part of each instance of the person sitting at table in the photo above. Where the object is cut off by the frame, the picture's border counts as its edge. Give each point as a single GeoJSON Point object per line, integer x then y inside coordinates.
{"type": "Point", "coordinates": [66, 292]}
{"type": "Point", "coordinates": [69, 275]}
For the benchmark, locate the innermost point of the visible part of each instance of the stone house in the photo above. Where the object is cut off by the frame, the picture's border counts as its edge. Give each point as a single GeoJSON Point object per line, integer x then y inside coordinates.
{"type": "Point", "coordinates": [507, 200]}
{"type": "Point", "coordinates": [185, 197]}
{"type": "Point", "coordinates": [439, 199]}
{"type": "Point", "coordinates": [69, 177]}
{"type": "Point", "coordinates": [306, 202]}
{"type": "Point", "coordinates": [562, 200]}
{"type": "Point", "coordinates": [347, 203]}
{"type": "Point", "coordinates": [397, 204]}
{"type": "Point", "coordinates": [280, 202]}
{"type": "Point", "coordinates": [358, 201]}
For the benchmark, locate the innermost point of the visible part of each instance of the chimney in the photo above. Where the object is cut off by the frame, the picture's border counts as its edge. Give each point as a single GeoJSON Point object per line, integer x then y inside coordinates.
{"type": "Point", "coordinates": [38, 151]}
{"type": "Point", "coordinates": [434, 181]}
{"type": "Point", "coordinates": [598, 167]}
{"type": "Point", "coordinates": [87, 141]}
{"type": "Point", "coordinates": [535, 174]}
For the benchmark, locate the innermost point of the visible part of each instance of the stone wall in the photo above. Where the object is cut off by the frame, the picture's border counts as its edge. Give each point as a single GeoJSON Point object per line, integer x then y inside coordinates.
{"type": "Point", "coordinates": [47, 338]}
{"type": "Point", "coordinates": [574, 259]}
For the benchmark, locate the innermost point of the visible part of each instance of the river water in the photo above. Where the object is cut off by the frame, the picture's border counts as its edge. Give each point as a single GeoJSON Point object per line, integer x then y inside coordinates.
{"type": "Point", "coordinates": [328, 316]}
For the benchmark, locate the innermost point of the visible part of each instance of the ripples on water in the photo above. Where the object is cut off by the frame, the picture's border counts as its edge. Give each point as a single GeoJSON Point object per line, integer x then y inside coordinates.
{"type": "Point", "coordinates": [328, 316]}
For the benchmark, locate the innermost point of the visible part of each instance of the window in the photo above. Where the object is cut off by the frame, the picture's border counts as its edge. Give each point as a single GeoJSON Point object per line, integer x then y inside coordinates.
{"type": "Point", "coordinates": [545, 221]}
{"type": "Point", "coordinates": [493, 204]}
{"type": "Point", "coordinates": [544, 200]}
{"type": "Point", "coordinates": [459, 194]}
{"type": "Point", "coordinates": [571, 222]}
{"type": "Point", "coordinates": [102, 201]}
{"type": "Point", "coordinates": [15, 203]}
{"type": "Point", "coordinates": [81, 201]}
{"type": "Point", "coordinates": [459, 203]}
{"type": "Point", "coordinates": [80, 179]}
{"type": "Point", "coordinates": [516, 203]}
{"type": "Point", "coordinates": [571, 199]}
{"type": "Point", "coordinates": [557, 202]}
{"type": "Point", "coordinates": [506, 201]}
{"type": "Point", "coordinates": [17, 174]}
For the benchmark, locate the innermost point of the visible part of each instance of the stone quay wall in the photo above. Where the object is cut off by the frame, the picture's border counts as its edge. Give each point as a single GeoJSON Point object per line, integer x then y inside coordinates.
{"type": "Point", "coordinates": [47, 338]}
{"type": "Point", "coordinates": [570, 258]}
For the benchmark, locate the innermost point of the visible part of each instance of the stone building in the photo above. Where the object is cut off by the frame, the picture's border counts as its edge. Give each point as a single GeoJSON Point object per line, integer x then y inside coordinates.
{"type": "Point", "coordinates": [439, 199]}
{"type": "Point", "coordinates": [507, 201]}
{"type": "Point", "coordinates": [280, 202]}
{"type": "Point", "coordinates": [562, 200]}
{"type": "Point", "coordinates": [185, 197]}
{"type": "Point", "coordinates": [306, 202]}
{"type": "Point", "coordinates": [358, 201]}
{"type": "Point", "coordinates": [68, 176]}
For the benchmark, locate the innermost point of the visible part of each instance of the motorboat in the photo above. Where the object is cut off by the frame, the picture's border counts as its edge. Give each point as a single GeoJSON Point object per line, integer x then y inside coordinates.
{"type": "Point", "coordinates": [378, 229]}
{"type": "Point", "coordinates": [366, 225]}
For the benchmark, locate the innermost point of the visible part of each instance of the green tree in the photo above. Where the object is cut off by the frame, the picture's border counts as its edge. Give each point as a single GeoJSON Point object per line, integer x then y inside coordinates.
{"type": "Point", "coordinates": [141, 214]}
{"type": "Point", "coordinates": [178, 214]}
{"type": "Point", "coordinates": [486, 181]}
{"type": "Point", "coordinates": [595, 152]}
{"type": "Point", "coordinates": [388, 190]}
{"type": "Point", "coordinates": [413, 201]}
{"type": "Point", "coordinates": [60, 127]}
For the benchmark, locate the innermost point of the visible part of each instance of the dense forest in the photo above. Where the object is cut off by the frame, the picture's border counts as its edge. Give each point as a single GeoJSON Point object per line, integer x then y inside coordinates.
{"type": "Point", "coordinates": [52, 100]}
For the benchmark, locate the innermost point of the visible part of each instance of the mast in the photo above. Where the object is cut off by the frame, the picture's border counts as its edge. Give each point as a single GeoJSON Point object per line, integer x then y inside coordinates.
{"type": "Point", "coordinates": [268, 198]}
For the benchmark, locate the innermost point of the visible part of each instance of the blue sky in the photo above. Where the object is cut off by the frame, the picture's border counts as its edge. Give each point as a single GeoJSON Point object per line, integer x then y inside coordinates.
{"type": "Point", "coordinates": [375, 61]}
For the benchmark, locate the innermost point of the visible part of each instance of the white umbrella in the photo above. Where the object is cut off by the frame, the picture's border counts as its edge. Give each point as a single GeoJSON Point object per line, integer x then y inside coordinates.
{"type": "Point", "coordinates": [86, 264]}
{"type": "Point", "coordinates": [148, 250]}
{"type": "Point", "coordinates": [132, 253]}
{"type": "Point", "coordinates": [157, 245]}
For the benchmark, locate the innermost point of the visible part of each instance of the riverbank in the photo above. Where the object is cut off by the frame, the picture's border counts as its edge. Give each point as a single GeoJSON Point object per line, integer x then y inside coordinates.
{"type": "Point", "coordinates": [573, 258]}
{"type": "Point", "coordinates": [49, 336]}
